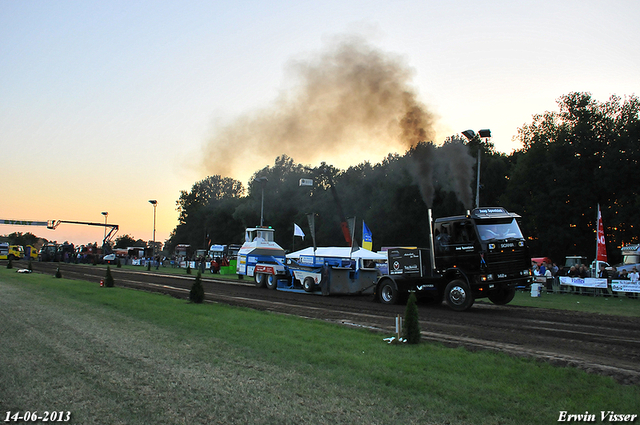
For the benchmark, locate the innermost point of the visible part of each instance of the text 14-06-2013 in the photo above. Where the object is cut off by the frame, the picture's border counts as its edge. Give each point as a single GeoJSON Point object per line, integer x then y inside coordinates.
{"type": "Point", "coordinates": [35, 416]}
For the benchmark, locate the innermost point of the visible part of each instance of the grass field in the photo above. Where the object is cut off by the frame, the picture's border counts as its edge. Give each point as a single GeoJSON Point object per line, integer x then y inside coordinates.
{"type": "Point", "coordinates": [112, 355]}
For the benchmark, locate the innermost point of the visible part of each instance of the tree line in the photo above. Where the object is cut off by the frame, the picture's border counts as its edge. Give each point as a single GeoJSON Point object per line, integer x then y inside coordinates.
{"type": "Point", "coordinates": [571, 160]}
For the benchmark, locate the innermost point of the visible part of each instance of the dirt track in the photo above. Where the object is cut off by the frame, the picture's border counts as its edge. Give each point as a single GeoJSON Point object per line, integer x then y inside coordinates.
{"type": "Point", "coordinates": [608, 345]}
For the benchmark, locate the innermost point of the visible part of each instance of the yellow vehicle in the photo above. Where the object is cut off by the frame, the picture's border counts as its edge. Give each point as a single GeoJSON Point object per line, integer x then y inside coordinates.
{"type": "Point", "coordinates": [30, 252]}
{"type": "Point", "coordinates": [11, 252]}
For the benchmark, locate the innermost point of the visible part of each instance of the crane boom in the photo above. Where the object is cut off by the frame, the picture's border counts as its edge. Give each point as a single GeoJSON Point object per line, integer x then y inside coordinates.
{"type": "Point", "coordinates": [53, 225]}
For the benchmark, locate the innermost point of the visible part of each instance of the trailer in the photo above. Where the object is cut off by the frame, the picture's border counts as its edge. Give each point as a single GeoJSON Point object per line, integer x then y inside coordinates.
{"type": "Point", "coordinates": [332, 270]}
{"type": "Point", "coordinates": [480, 254]}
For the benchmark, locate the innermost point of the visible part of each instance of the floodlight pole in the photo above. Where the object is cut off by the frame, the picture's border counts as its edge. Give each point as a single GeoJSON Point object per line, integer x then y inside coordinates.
{"type": "Point", "coordinates": [105, 214]}
{"type": "Point", "coordinates": [470, 135]}
{"type": "Point", "coordinates": [263, 181]}
{"type": "Point", "coordinates": [154, 203]}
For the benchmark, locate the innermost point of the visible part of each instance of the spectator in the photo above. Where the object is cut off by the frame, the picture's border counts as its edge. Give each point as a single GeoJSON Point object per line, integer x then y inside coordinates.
{"type": "Point", "coordinates": [633, 276]}
{"type": "Point", "coordinates": [603, 274]}
{"type": "Point", "coordinates": [614, 273]}
{"type": "Point", "coordinates": [584, 272]}
{"type": "Point", "coordinates": [534, 268]}
{"type": "Point", "coordinates": [623, 275]}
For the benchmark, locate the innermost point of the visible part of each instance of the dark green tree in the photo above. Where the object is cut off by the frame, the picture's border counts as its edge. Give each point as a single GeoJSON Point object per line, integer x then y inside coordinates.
{"type": "Point", "coordinates": [204, 213]}
{"type": "Point", "coordinates": [125, 241]}
{"type": "Point", "coordinates": [22, 239]}
{"type": "Point", "coordinates": [196, 295]}
{"type": "Point", "coordinates": [411, 324]}
{"type": "Point", "coordinates": [573, 160]}
{"type": "Point", "coordinates": [108, 279]}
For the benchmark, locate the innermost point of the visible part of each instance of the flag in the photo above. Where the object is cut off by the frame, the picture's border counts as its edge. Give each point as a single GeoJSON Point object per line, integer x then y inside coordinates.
{"type": "Point", "coordinates": [297, 231]}
{"type": "Point", "coordinates": [601, 248]}
{"type": "Point", "coordinates": [311, 218]}
{"type": "Point", "coordinates": [367, 238]}
{"type": "Point", "coordinates": [351, 223]}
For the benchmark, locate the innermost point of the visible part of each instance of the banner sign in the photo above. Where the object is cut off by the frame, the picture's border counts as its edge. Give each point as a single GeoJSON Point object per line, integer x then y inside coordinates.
{"type": "Point", "coordinates": [590, 282]}
{"type": "Point", "coordinates": [586, 282]}
{"type": "Point", "coordinates": [625, 286]}
{"type": "Point", "coordinates": [601, 247]}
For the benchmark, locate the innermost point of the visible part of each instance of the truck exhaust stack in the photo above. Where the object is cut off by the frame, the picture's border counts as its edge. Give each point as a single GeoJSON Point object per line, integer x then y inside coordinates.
{"type": "Point", "coordinates": [431, 243]}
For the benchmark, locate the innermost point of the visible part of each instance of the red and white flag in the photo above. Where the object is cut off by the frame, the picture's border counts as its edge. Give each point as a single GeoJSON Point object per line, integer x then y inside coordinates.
{"type": "Point", "coordinates": [601, 249]}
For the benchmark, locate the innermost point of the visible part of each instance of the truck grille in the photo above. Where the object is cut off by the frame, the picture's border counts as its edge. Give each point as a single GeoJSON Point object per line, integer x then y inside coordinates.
{"type": "Point", "coordinates": [508, 263]}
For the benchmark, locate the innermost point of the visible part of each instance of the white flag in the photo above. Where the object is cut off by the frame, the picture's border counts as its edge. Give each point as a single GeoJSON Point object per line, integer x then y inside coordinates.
{"type": "Point", "coordinates": [297, 231]}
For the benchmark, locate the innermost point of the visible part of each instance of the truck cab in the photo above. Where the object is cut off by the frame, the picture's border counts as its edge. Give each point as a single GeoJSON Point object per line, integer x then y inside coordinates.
{"type": "Point", "coordinates": [261, 257]}
{"type": "Point", "coordinates": [480, 254]}
{"type": "Point", "coordinates": [11, 252]}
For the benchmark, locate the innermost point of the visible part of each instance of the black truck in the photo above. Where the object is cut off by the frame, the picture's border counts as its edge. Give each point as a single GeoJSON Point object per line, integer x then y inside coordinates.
{"type": "Point", "coordinates": [477, 255]}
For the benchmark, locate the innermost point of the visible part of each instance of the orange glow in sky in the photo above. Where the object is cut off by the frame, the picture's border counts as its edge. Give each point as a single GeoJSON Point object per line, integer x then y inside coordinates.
{"type": "Point", "coordinates": [106, 105]}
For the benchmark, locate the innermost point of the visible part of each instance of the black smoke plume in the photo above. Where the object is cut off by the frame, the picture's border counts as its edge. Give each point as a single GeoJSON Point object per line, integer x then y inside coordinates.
{"type": "Point", "coordinates": [351, 102]}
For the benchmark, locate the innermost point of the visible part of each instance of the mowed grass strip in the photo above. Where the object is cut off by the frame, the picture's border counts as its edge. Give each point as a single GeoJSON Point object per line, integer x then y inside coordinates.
{"type": "Point", "coordinates": [113, 355]}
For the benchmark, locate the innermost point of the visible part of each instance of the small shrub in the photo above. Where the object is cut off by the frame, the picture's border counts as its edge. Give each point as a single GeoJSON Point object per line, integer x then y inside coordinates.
{"type": "Point", "coordinates": [411, 328]}
{"type": "Point", "coordinates": [118, 263]}
{"type": "Point", "coordinates": [196, 295]}
{"type": "Point", "coordinates": [10, 264]}
{"type": "Point", "coordinates": [30, 266]}
{"type": "Point", "coordinates": [188, 268]}
{"type": "Point", "coordinates": [108, 279]}
{"type": "Point", "coordinates": [58, 274]}
{"type": "Point", "coordinates": [148, 266]}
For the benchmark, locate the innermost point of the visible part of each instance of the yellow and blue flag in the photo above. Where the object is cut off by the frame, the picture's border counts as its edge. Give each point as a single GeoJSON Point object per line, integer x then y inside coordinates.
{"type": "Point", "coordinates": [367, 238]}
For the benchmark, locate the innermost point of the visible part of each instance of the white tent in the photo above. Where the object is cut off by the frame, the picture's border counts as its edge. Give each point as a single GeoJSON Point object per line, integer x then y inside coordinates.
{"type": "Point", "coordinates": [338, 252]}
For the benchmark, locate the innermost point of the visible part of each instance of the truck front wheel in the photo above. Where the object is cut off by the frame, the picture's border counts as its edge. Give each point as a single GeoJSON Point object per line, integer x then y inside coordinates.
{"type": "Point", "coordinates": [502, 296]}
{"type": "Point", "coordinates": [388, 293]}
{"type": "Point", "coordinates": [458, 295]}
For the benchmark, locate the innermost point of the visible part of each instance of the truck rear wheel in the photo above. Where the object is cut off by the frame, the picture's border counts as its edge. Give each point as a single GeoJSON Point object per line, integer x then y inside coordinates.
{"type": "Point", "coordinates": [308, 285]}
{"type": "Point", "coordinates": [502, 296]}
{"type": "Point", "coordinates": [261, 280]}
{"type": "Point", "coordinates": [458, 295]}
{"type": "Point", "coordinates": [388, 293]}
{"type": "Point", "coordinates": [272, 281]}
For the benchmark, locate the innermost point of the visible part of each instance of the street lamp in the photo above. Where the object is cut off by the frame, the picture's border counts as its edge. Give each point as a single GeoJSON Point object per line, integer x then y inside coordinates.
{"type": "Point", "coordinates": [154, 203]}
{"type": "Point", "coordinates": [105, 214]}
{"type": "Point", "coordinates": [471, 135]}
{"type": "Point", "coordinates": [263, 181]}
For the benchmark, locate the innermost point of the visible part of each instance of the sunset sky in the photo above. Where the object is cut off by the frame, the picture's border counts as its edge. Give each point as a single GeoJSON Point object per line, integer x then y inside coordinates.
{"type": "Point", "coordinates": [107, 105]}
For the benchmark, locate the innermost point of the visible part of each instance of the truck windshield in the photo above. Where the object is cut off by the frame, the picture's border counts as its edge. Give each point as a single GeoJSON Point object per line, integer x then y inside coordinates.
{"type": "Point", "coordinates": [498, 229]}
{"type": "Point", "coordinates": [631, 259]}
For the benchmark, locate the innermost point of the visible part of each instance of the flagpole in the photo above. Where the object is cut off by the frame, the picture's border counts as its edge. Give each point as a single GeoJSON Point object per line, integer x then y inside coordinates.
{"type": "Point", "coordinates": [597, 241]}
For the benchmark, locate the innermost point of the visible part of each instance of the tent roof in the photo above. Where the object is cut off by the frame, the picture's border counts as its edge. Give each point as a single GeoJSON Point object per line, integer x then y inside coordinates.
{"type": "Point", "coordinates": [338, 252]}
